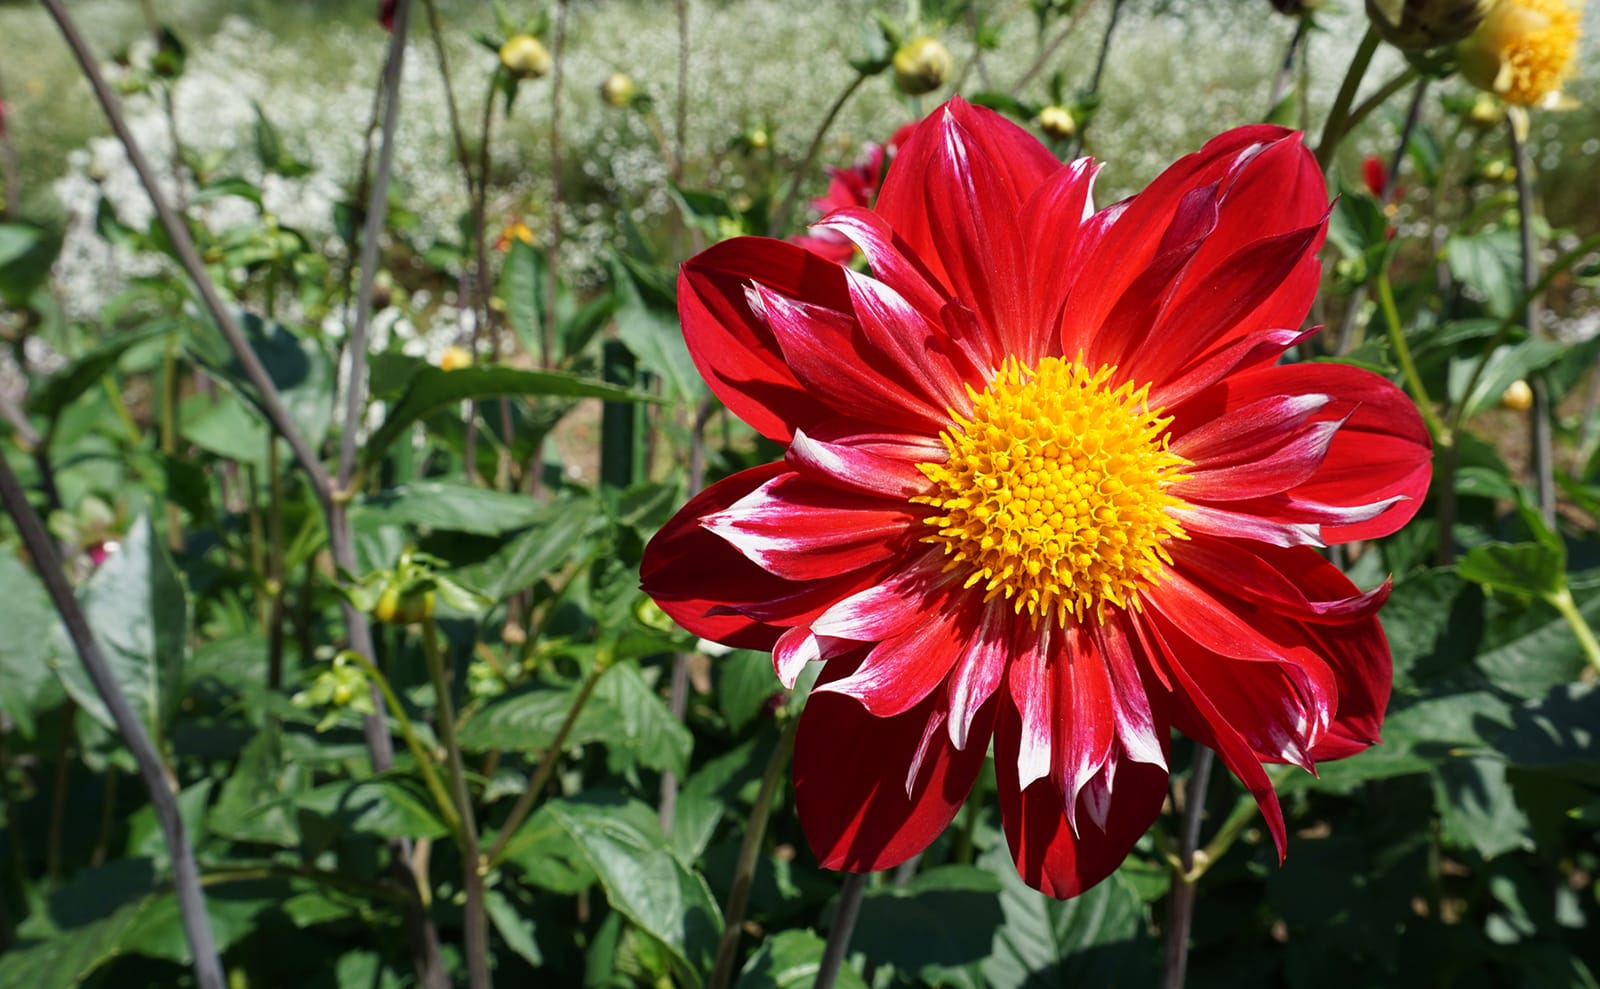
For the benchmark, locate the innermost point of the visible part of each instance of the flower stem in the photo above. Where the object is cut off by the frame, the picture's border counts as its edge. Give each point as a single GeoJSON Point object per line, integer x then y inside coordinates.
{"type": "Point", "coordinates": [844, 924]}
{"type": "Point", "coordinates": [476, 918]}
{"type": "Point", "coordinates": [1541, 443]}
{"type": "Point", "coordinates": [1562, 602]}
{"type": "Point", "coordinates": [1180, 909]}
{"type": "Point", "coordinates": [157, 778]}
{"type": "Point", "coordinates": [743, 873]}
{"type": "Point", "coordinates": [1402, 353]}
{"type": "Point", "coordinates": [780, 219]}
{"type": "Point", "coordinates": [408, 731]}
{"type": "Point", "coordinates": [1338, 122]}
{"type": "Point", "coordinates": [541, 776]}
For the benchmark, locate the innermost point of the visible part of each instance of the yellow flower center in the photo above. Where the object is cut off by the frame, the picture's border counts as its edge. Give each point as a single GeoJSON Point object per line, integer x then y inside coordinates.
{"type": "Point", "coordinates": [1055, 491]}
{"type": "Point", "coordinates": [1533, 43]}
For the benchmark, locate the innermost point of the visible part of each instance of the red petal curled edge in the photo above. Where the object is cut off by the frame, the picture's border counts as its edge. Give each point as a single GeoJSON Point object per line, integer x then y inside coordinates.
{"type": "Point", "coordinates": [690, 571]}
{"type": "Point", "coordinates": [1376, 468]}
{"type": "Point", "coordinates": [850, 777]}
{"type": "Point", "coordinates": [1266, 185]}
{"type": "Point", "coordinates": [733, 348]}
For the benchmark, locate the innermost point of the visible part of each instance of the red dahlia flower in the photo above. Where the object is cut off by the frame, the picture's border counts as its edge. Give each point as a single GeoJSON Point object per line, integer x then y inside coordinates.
{"type": "Point", "coordinates": [1044, 484]}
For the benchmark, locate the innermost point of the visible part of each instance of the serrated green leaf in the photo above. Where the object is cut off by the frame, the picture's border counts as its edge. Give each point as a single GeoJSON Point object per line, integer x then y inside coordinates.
{"type": "Point", "coordinates": [1095, 939]}
{"type": "Point", "coordinates": [527, 719]}
{"type": "Point", "coordinates": [1506, 365]}
{"type": "Point", "coordinates": [1477, 808]}
{"type": "Point", "coordinates": [137, 607]}
{"type": "Point", "coordinates": [652, 332]}
{"type": "Point", "coordinates": [386, 806]}
{"type": "Point", "coordinates": [645, 730]}
{"type": "Point", "coordinates": [939, 921]}
{"type": "Point", "coordinates": [259, 801]}
{"type": "Point", "coordinates": [745, 681]}
{"type": "Point", "coordinates": [1489, 263]}
{"type": "Point", "coordinates": [26, 660]}
{"type": "Point", "coordinates": [790, 960]}
{"type": "Point", "coordinates": [643, 880]}
{"type": "Point", "coordinates": [448, 505]}
{"type": "Point", "coordinates": [1527, 569]}
{"type": "Point", "coordinates": [300, 370]}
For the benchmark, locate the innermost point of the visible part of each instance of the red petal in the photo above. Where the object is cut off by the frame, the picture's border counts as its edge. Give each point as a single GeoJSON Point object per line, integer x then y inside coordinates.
{"type": "Point", "coordinates": [799, 530]}
{"type": "Point", "coordinates": [1376, 470]}
{"type": "Point", "coordinates": [1048, 855]}
{"type": "Point", "coordinates": [882, 464]}
{"type": "Point", "coordinates": [1055, 234]}
{"type": "Point", "coordinates": [734, 349]}
{"type": "Point", "coordinates": [689, 571]}
{"type": "Point", "coordinates": [850, 772]}
{"type": "Point", "coordinates": [902, 671]}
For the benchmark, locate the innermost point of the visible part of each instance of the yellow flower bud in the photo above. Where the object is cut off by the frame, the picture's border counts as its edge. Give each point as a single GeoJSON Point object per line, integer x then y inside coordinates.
{"type": "Point", "coordinates": [1518, 397]}
{"type": "Point", "coordinates": [1057, 123]}
{"type": "Point", "coordinates": [524, 56]}
{"type": "Point", "coordinates": [921, 66]}
{"type": "Point", "coordinates": [1523, 51]}
{"type": "Point", "coordinates": [618, 90]}
{"type": "Point", "coordinates": [454, 358]}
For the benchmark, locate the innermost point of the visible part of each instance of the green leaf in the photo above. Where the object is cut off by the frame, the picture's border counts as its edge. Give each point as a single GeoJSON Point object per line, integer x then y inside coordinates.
{"type": "Point", "coordinates": [136, 605]}
{"type": "Point", "coordinates": [941, 920]}
{"type": "Point", "coordinates": [706, 795]}
{"type": "Point", "coordinates": [1489, 263]}
{"type": "Point", "coordinates": [298, 367]}
{"type": "Point", "coordinates": [645, 730]}
{"type": "Point", "coordinates": [643, 881]}
{"type": "Point", "coordinates": [548, 856]}
{"type": "Point", "coordinates": [1522, 569]}
{"type": "Point", "coordinates": [26, 660]}
{"type": "Point", "coordinates": [1432, 619]}
{"type": "Point", "coordinates": [432, 389]}
{"type": "Point", "coordinates": [16, 240]}
{"type": "Point", "coordinates": [260, 797]}
{"type": "Point", "coordinates": [1096, 939]}
{"type": "Point", "coordinates": [80, 374]}
{"type": "Point", "coordinates": [535, 554]}
{"type": "Point", "coordinates": [448, 505]}
{"type": "Point", "coordinates": [790, 960]}
{"type": "Point", "coordinates": [1558, 734]}
{"type": "Point", "coordinates": [745, 681]}
{"type": "Point", "coordinates": [1477, 808]}
{"type": "Point", "coordinates": [514, 926]}
{"type": "Point", "coordinates": [66, 960]}
{"type": "Point", "coordinates": [1506, 365]}
{"type": "Point", "coordinates": [527, 719]}
{"type": "Point", "coordinates": [650, 329]}
{"type": "Point", "coordinates": [386, 806]}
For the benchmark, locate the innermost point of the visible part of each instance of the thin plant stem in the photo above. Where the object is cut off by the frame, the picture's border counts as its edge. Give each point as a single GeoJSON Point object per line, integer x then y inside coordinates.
{"type": "Point", "coordinates": [1379, 98]}
{"type": "Point", "coordinates": [680, 108]}
{"type": "Point", "coordinates": [1562, 602]}
{"type": "Point", "coordinates": [780, 219]}
{"type": "Point", "coordinates": [377, 889]}
{"type": "Point", "coordinates": [1402, 353]}
{"type": "Point", "coordinates": [1334, 128]}
{"type": "Point", "coordinates": [1048, 51]}
{"type": "Point", "coordinates": [1349, 331]}
{"type": "Point", "coordinates": [844, 924]}
{"type": "Point", "coordinates": [553, 267]}
{"type": "Point", "coordinates": [1101, 57]}
{"type": "Point", "coordinates": [475, 917]}
{"type": "Point", "coordinates": [478, 189]}
{"type": "Point", "coordinates": [749, 850]}
{"type": "Point", "coordinates": [183, 246]}
{"type": "Point", "coordinates": [1280, 83]}
{"type": "Point", "coordinates": [1541, 442]}
{"type": "Point", "coordinates": [408, 731]}
{"type": "Point", "coordinates": [547, 766]}
{"type": "Point", "coordinates": [158, 781]}
{"type": "Point", "coordinates": [1180, 909]}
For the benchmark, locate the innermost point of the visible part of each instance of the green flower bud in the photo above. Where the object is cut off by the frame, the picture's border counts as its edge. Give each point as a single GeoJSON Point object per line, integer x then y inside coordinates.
{"type": "Point", "coordinates": [1418, 25]}
{"type": "Point", "coordinates": [618, 90]}
{"type": "Point", "coordinates": [921, 66]}
{"type": "Point", "coordinates": [1057, 123]}
{"type": "Point", "coordinates": [524, 56]}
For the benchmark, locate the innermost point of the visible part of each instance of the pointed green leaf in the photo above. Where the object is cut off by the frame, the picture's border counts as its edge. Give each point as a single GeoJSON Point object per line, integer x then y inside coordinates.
{"type": "Point", "coordinates": [26, 660]}
{"type": "Point", "coordinates": [1525, 569]}
{"type": "Point", "coordinates": [139, 612]}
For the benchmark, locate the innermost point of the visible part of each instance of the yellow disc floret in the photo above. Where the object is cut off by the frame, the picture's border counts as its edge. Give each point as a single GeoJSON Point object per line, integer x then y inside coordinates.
{"type": "Point", "coordinates": [1055, 491]}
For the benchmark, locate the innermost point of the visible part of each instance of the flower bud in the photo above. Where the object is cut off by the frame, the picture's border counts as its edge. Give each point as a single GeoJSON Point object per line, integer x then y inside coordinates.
{"type": "Point", "coordinates": [455, 358]}
{"type": "Point", "coordinates": [1057, 123]}
{"type": "Point", "coordinates": [1523, 51]}
{"type": "Point", "coordinates": [524, 56]}
{"type": "Point", "coordinates": [1486, 112]}
{"type": "Point", "coordinates": [921, 65]}
{"type": "Point", "coordinates": [618, 90]}
{"type": "Point", "coordinates": [1518, 396]}
{"type": "Point", "coordinates": [1418, 25]}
